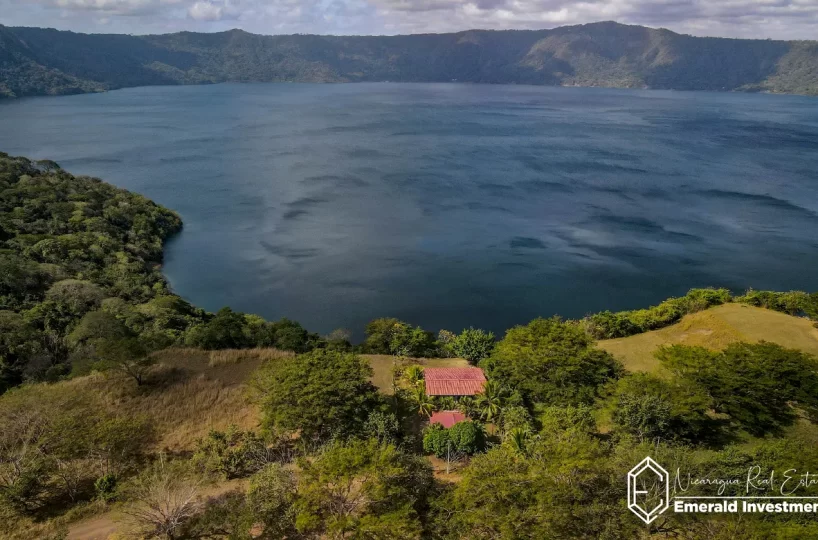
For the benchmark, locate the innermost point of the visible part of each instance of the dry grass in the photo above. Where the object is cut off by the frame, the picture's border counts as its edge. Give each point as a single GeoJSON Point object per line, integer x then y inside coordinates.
{"type": "Point", "coordinates": [383, 364]}
{"type": "Point", "coordinates": [188, 393]}
{"type": "Point", "coordinates": [229, 357]}
{"type": "Point", "coordinates": [716, 328]}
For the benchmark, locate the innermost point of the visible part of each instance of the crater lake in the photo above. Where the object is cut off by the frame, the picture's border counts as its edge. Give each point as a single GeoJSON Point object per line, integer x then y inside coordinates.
{"type": "Point", "coordinates": [450, 205]}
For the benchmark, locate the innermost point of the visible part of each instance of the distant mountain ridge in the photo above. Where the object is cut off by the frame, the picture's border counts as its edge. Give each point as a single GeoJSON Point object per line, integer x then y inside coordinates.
{"type": "Point", "coordinates": [37, 61]}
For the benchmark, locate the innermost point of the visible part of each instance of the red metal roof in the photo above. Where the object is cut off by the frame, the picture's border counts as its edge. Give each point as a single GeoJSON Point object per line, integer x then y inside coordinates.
{"type": "Point", "coordinates": [447, 418]}
{"type": "Point", "coordinates": [465, 381]}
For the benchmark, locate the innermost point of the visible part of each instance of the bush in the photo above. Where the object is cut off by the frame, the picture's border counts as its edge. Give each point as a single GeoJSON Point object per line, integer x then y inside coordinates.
{"type": "Point", "coordinates": [105, 487]}
{"type": "Point", "coordinates": [474, 345]}
{"type": "Point", "coordinates": [391, 336]}
{"type": "Point", "coordinates": [792, 302]}
{"type": "Point", "coordinates": [233, 453]}
{"type": "Point", "coordinates": [608, 325]}
{"type": "Point", "coordinates": [436, 440]}
{"type": "Point", "coordinates": [468, 437]}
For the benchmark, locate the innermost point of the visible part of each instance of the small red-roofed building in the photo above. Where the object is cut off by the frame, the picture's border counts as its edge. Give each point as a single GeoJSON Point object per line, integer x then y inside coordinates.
{"type": "Point", "coordinates": [456, 381]}
{"type": "Point", "coordinates": [447, 418]}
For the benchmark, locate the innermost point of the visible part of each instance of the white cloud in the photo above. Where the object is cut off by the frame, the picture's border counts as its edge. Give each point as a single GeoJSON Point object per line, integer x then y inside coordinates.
{"type": "Point", "coordinates": [784, 19]}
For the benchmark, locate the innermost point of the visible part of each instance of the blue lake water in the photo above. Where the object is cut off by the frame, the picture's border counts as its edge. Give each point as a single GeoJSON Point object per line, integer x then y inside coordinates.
{"type": "Point", "coordinates": [450, 205]}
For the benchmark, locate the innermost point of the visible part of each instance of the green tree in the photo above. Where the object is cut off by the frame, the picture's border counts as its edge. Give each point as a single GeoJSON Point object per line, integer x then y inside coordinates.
{"type": "Point", "coordinates": [552, 362]}
{"type": "Point", "coordinates": [474, 345]}
{"type": "Point", "coordinates": [753, 383]}
{"type": "Point", "coordinates": [648, 407]}
{"type": "Point", "coordinates": [362, 489]}
{"type": "Point", "coordinates": [271, 498]}
{"type": "Point", "coordinates": [319, 394]}
{"type": "Point", "coordinates": [18, 342]}
{"type": "Point", "coordinates": [436, 440]}
{"type": "Point", "coordinates": [468, 437]}
{"type": "Point", "coordinates": [226, 330]}
{"type": "Point", "coordinates": [490, 401]}
{"type": "Point", "coordinates": [425, 405]}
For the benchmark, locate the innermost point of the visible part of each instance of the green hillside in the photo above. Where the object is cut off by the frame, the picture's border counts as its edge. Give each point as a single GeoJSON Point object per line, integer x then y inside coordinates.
{"type": "Point", "coordinates": [36, 61]}
{"type": "Point", "coordinates": [716, 328]}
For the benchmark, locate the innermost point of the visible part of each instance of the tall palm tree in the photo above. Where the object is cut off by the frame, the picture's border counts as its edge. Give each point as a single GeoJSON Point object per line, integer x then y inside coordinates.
{"type": "Point", "coordinates": [490, 402]}
{"type": "Point", "coordinates": [423, 402]}
{"type": "Point", "coordinates": [414, 375]}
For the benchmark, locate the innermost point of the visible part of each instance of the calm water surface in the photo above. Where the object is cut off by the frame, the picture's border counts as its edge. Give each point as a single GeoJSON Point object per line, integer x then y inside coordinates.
{"type": "Point", "coordinates": [450, 205]}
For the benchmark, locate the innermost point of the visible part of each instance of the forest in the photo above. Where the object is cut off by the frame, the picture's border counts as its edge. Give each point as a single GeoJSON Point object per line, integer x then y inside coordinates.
{"type": "Point", "coordinates": [38, 61]}
{"type": "Point", "coordinates": [124, 403]}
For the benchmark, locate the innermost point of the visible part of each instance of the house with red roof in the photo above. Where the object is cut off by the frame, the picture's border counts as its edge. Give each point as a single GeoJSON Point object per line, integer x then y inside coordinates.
{"type": "Point", "coordinates": [447, 418]}
{"type": "Point", "coordinates": [455, 382]}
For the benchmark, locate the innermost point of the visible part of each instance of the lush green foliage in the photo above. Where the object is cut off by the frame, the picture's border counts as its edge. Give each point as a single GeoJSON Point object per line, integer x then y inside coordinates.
{"type": "Point", "coordinates": [232, 453]}
{"type": "Point", "coordinates": [35, 61]}
{"type": "Point", "coordinates": [753, 383]}
{"type": "Point", "coordinates": [464, 438]}
{"type": "Point", "coordinates": [474, 345]}
{"type": "Point", "coordinates": [792, 302]}
{"type": "Point", "coordinates": [80, 283]}
{"type": "Point", "coordinates": [319, 395]}
{"type": "Point", "coordinates": [391, 336]}
{"type": "Point", "coordinates": [551, 361]}
{"type": "Point", "coordinates": [648, 408]}
{"type": "Point", "coordinates": [608, 325]}
{"type": "Point", "coordinates": [362, 488]}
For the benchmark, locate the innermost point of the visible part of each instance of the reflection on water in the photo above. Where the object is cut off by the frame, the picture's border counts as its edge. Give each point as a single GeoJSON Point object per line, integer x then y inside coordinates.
{"type": "Point", "coordinates": [451, 205]}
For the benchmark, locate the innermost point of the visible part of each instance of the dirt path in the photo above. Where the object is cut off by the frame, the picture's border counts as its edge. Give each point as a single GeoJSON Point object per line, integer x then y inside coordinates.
{"type": "Point", "coordinates": [96, 528]}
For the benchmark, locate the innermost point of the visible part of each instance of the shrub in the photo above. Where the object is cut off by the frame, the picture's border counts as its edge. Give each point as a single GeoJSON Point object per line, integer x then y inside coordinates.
{"type": "Point", "coordinates": [436, 440]}
{"type": "Point", "coordinates": [468, 437]}
{"type": "Point", "coordinates": [105, 487]}
{"type": "Point", "coordinates": [392, 336]}
{"type": "Point", "coordinates": [608, 325]}
{"type": "Point", "coordinates": [233, 453]}
{"type": "Point", "coordinates": [473, 345]}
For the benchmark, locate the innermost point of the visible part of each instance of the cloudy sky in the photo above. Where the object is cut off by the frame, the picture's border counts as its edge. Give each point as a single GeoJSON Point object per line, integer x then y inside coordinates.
{"type": "Point", "coordinates": [781, 19]}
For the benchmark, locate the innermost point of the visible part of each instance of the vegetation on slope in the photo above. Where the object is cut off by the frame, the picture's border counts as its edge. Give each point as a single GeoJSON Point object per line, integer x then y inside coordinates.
{"type": "Point", "coordinates": [160, 438]}
{"type": "Point", "coordinates": [35, 61]}
{"type": "Point", "coordinates": [715, 329]}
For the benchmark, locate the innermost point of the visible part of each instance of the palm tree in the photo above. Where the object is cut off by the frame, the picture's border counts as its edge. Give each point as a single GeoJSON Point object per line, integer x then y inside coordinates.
{"type": "Point", "coordinates": [424, 404]}
{"type": "Point", "coordinates": [517, 438]}
{"type": "Point", "coordinates": [446, 403]}
{"type": "Point", "coordinates": [490, 402]}
{"type": "Point", "coordinates": [467, 406]}
{"type": "Point", "coordinates": [414, 375]}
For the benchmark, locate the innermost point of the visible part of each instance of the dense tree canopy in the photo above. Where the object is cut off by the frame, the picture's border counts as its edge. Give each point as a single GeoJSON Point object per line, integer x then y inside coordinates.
{"type": "Point", "coordinates": [756, 384]}
{"type": "Point", "coordinates": [551, 361]}
{"type": "Point", "coordinates": [317, 395]}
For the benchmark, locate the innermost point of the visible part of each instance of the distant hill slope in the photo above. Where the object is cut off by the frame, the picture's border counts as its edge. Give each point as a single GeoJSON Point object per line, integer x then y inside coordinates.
{"type": "Point", "coordinates": [715, 328]}
{"type": "Point", "coordinates": [36, 61]}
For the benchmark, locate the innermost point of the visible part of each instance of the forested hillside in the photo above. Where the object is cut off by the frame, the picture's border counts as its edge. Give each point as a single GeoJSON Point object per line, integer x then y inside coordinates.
{"type": "Point", "coordinates": [35, 61]}
{"type": "Point", "coordinates": [80, 285]}
{"type": "Point", "coordinates": [124, 410]}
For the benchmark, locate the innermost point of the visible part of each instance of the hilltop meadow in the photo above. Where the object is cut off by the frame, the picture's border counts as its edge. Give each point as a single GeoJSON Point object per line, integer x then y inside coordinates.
{"type": "Point", "coordinates": [127, 412]}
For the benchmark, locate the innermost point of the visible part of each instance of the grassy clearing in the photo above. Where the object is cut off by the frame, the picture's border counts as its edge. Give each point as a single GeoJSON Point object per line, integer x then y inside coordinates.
{"type": "Point", "coordinates": [382, 365]}
{"type": "Point", "coordinates": [190, 392]}
{"type": "Point", "coordinates": [716, 328]}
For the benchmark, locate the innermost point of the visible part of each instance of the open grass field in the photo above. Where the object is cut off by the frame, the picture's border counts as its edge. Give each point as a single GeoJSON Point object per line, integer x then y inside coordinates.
{"type": "Point", "coordinates": [716, 328]}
